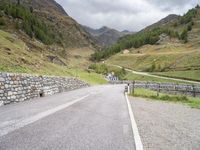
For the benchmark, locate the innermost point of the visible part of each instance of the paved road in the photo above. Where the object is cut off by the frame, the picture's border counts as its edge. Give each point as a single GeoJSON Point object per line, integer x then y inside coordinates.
{"type": "Point", "coordinates": [94, 118]}
{"type": "Point", "coordinates": [155, 76]}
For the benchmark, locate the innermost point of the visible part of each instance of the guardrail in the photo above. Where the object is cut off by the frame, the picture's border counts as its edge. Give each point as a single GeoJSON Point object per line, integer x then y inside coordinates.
{"type": "Point", "coordinates": [169, 88]}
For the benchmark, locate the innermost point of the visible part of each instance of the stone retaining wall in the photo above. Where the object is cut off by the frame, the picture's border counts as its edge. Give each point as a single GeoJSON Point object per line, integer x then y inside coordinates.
{"type": "Point", "coordinates": [21, 87]}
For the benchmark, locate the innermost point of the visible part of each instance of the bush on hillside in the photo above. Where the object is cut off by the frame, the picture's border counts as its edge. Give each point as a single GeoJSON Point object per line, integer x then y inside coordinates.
{"type": "Point", "coordinates": [99, 68]}
{"type": "Point", "coordinates": [2, 21]}
{"type": "Point", "coordinates": [103, 69]}
{"type": "Point", "coordinates": [187, 18]}
{"type": "Point", "coordinates": [184, 36]}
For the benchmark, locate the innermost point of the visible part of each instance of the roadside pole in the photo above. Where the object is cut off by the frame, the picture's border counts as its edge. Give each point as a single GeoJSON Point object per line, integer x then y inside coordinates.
{"type": "Point", "coordinates": [129, 89]}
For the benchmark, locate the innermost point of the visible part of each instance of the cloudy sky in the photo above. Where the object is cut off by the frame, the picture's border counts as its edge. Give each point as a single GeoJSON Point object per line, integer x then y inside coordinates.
{"type": "Point", "coordinates": [131, 15]}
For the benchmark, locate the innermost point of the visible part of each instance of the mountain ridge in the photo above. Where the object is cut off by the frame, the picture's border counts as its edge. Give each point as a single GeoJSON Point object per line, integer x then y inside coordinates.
{"type": "Point", "coordinates": [106, 36]}
{"type": "Point", "coordinates": [163, 21]}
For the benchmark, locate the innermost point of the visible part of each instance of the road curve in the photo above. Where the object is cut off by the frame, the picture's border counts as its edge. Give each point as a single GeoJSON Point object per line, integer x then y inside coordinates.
{"type": "Point", "coordinates": [94, 118]}
{"type": "Point", "coordinates": [155, 76]}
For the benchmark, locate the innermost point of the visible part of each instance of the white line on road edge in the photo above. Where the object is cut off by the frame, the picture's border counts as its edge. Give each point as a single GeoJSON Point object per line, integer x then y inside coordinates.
{"type": "Point", "coordinates": [37, 117]}
{"type": "Point", "coordinates": [137, 139]}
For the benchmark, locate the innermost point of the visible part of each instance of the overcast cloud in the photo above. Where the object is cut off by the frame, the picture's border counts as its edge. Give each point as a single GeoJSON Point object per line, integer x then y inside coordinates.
{"type": "Point", "coordinates": [130, 15]}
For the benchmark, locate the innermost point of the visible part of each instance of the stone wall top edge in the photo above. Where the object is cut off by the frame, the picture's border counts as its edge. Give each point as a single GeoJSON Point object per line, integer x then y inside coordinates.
{"type": "Point", "coordinates": [4, 74]}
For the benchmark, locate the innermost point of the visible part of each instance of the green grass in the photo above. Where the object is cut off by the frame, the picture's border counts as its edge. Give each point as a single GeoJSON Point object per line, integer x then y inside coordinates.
{"type": "Point", "coordinates": [175, 60]}
{"type": "Point", "coordinates": [135, 77]}
{"type": "Point", "coordinates": [145, 93]}
{"type": "Point", "coordinates": [190, 75]}
{"type": "Point", "coordinates": [89, 77]}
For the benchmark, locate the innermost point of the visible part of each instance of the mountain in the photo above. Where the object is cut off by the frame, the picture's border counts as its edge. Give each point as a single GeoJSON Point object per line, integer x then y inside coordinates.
{"type": "Point", "coordinates": [39, 36]}
{"type": "Point", "coordinates": [106, 36]}
{"type": "Point", "coordinates": [50, 12]}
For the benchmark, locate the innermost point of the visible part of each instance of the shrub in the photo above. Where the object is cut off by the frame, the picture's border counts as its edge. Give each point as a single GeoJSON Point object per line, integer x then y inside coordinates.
{"type": "Point", "coordinates": [184, 36]}
{"type": "Point", "coordinates": [99, 68]}
{"type": "Point", "coordinates": [2, 22]}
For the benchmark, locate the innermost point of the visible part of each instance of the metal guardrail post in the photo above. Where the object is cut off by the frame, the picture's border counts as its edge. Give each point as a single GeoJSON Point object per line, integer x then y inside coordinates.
{"type": "Point", "coordinates": [194, 92]}
{"type": "Point", "coordinates": [133, 90]}
{"type": "Point", "coordinates": [158, 89]}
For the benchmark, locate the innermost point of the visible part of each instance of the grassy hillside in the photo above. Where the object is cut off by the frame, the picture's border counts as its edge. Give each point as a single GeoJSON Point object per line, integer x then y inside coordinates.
{"type": "Point", "coordinates": [172, 60]}
{"type": "Point", "coordinates": [17, 57]}
{"type": "Point", "coordinates": [38, 37]}
{"type": "Point", "coordinates": [159, 58]}
{"type": "Point", "coordinates": [31, 26]}
{"type": "Point", "coordinates": [191, 74]}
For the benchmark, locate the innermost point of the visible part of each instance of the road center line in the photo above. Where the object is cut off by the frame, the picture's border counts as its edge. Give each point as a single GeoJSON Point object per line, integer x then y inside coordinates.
{"type": "Point", "coordinates": [32, 119]}
{"type": "Point", "coordinates": [137, 139]}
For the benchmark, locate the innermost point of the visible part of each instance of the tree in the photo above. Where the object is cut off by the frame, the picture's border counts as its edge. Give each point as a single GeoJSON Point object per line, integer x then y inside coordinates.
{"type": "Point", "coordinates": [18, 2]}
{"type": "Point", "coordinates": [197, 6]}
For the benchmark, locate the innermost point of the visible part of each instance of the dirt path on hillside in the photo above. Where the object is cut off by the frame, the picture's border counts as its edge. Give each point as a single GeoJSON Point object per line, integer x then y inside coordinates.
{"type": "Point", "coordinates": [167, 126]}
{"type": "Point", "coordinates": [166, 53]}
{"type": "Point", "coordinates": [155, 76]}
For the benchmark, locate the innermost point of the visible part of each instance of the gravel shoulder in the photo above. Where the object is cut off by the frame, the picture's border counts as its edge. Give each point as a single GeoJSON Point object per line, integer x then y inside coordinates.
{"type": "Point", "coordinates": [166, 126]}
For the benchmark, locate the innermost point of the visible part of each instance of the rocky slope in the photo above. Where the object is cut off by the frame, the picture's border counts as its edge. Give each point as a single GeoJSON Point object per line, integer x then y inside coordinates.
{"type": "Point", "coordinates": [169, 19]}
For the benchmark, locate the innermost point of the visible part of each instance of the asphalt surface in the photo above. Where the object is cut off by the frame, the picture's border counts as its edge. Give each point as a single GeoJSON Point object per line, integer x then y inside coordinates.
{"type": "Point", "coordinates": [166, 126]}
{"type": "Point", "coordinates": [94, 118]}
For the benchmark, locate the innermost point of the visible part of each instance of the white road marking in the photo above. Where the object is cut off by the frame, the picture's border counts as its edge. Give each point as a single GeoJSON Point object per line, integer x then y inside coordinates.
{"type": "Point", "coordinates": [137, 139]}
{"type": "Point", "coordinates": [14, 126]}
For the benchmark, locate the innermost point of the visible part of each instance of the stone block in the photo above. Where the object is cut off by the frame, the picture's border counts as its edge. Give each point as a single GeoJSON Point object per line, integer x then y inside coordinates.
{"type": "Point", "coordinates": [2, 79]}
